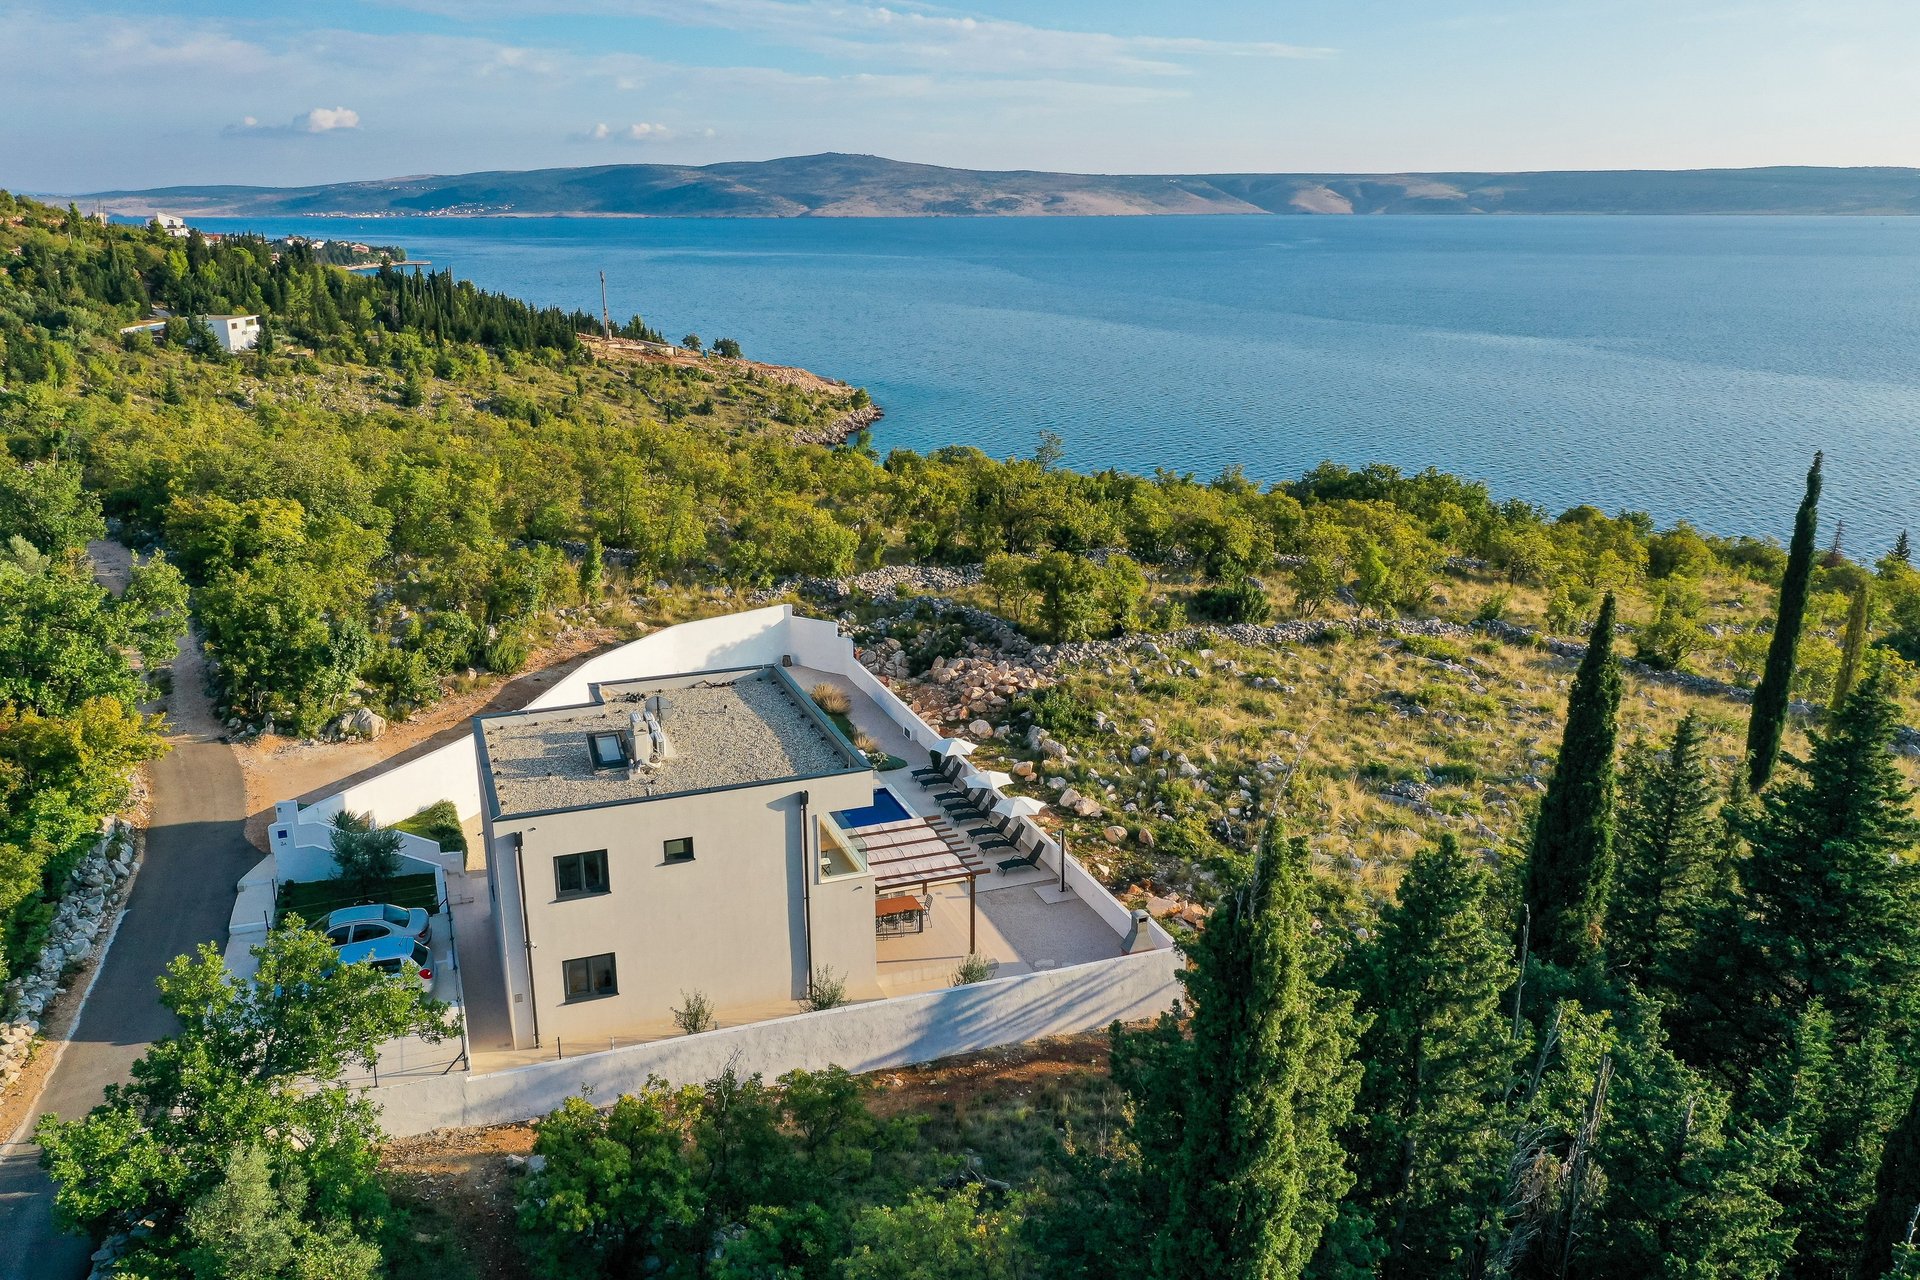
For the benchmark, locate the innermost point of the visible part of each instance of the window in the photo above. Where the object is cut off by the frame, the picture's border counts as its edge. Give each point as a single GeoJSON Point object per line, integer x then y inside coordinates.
{"type": "Point", "coordinates": [680, 850]}
{"type": "Point", "coordinates": [580, 875]}
{"type": "Point", "coordinates": [591, 978]}
{"type": "Point", "coordinates": [609, 750]}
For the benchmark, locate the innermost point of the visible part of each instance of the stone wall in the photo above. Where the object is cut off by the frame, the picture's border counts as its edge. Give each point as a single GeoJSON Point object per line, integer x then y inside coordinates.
{"type": "Point", "coordinates": [94, 891]}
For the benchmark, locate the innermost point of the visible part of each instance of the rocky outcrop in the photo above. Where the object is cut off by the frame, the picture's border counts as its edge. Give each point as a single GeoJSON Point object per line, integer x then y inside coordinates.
{"type": "Point", "coordinates": [844, 428]}
{"type": "Point", "coordinates": [94, 890]}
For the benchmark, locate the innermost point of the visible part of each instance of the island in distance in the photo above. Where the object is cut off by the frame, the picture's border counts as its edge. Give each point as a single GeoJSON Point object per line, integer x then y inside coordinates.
{"type": "Point", "coordinates": [857, 186]}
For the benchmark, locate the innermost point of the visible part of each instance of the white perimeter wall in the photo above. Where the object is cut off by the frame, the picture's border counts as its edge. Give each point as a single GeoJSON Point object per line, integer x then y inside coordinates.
{"type": "Point", "coordinates": [862, 1037]}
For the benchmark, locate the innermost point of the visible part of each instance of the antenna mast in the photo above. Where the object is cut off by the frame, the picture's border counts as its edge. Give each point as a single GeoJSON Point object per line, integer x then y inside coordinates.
{"type": "Point", "coordinates": [606, 322]}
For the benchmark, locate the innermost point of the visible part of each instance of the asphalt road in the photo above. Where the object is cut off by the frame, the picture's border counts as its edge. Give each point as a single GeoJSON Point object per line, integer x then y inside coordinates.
{"type": "Point", "coordinates": [195, 852]}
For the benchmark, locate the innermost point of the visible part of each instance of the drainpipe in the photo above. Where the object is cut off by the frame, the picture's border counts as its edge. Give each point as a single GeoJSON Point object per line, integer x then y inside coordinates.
{"type": "Point", "coordinates": [526, 935]}
{"type": "Point", "coordinates": [806, 887]}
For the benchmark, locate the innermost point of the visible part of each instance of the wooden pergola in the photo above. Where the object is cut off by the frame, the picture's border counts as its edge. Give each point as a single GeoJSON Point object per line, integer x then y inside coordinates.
{"type": "Point", "coordinates": [911, 854]}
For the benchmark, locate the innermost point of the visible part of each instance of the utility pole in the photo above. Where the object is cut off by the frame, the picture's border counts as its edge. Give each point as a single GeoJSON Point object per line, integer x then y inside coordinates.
{"type": "Point", "coordinates": [606, 321]}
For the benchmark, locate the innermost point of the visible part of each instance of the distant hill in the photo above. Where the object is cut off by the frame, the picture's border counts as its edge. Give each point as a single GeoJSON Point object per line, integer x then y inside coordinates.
{"type": "Point", "coordinates": [846, 186]}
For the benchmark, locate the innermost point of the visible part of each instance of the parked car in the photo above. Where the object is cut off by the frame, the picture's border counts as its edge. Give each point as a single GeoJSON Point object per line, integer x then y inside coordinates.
{"type": "Point", "coordinates": [377, 920]}
{"type": "Point", "coordinates": [390, 955]}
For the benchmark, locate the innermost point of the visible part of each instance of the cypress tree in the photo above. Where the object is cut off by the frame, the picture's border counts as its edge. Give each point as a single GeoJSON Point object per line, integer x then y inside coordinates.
{"type": "Point", "coordinates": [1851, 648]}
{"type": "Point", "coordinates": [1831, 905]}
{"type": "Point", "coordinates": [1688, 1185]}
{"type": "Point", "coordinates": [1901, 551]}
{"type": "Point", "coordinates": [1571, 860]}
{"type": "Point", "coordinates": [1269, 1080]}
{"type": "Point", "coordinates": [1896, 1196]}
{"type": "Point", "coordinates": [1771, 695]}
{"type": "Point", "coordinates": [1670, 846]}
{"type": "Point", "coordinates": [1438, 1058]}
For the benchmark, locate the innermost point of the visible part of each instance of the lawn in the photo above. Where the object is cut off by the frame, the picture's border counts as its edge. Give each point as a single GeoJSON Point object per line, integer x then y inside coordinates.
{"type": "Point", "coordinates": [311, 900]}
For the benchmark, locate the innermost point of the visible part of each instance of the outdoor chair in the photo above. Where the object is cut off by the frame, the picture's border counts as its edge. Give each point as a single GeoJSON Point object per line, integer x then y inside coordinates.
{"type": "Point", "coordinates": [1027, 859]}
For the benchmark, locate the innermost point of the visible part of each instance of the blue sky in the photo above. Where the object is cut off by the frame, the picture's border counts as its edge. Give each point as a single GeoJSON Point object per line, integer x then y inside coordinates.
{"type": "Point", "coordinates": [106, 93]}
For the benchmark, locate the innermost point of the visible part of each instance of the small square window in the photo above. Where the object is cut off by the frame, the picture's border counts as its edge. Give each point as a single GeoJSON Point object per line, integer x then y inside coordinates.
{"type": "Point", "coordinates": [609, 750]}
{"type": "Point", "coordinates": [590, 978]}
{"type": "Point", "coordinates": [680, 850]}
{"type": "Point", "coordinates": [580, 875]}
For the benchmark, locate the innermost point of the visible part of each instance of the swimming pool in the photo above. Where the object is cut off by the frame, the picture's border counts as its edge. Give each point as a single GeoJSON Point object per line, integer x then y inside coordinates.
{"type": "Point", "coordinates": [886, 807]}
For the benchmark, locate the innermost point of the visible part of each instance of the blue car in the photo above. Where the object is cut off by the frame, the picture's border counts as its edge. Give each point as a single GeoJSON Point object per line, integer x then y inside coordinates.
{"type": "Point", "coordinates": [391, 955]}
{"type": "Point", "coordinates": [377, 920]}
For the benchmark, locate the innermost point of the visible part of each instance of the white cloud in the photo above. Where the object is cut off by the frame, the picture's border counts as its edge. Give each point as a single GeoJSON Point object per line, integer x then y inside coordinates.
{"type": "Point", "coordinates": [908, 34]}
{"type": "Point", "coordinates": [327, 119]}
{"type": "Point", "coordinates": [318, 120]}
{"type": "Point", "coordinates": [639, 131]}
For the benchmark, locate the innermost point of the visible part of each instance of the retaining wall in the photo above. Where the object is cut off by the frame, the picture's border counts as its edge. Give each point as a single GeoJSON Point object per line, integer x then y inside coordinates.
{"type": "Point", "coordinates": [864, 1037]}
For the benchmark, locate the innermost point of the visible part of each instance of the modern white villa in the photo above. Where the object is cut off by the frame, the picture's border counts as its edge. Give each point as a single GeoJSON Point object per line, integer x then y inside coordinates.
{"type": "Point", "coordinates": [678, 817]}
{"type": "Point", "coordinates": [668, 838]}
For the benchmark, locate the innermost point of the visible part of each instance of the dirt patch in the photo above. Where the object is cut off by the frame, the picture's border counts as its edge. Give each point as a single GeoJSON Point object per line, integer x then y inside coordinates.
{"type": "Point", "coordinates": [1014, 1070]}
{"type": "Point", "coordinates": [464, 1175]}
{"type": "Point", "coordinates": [277, 768]}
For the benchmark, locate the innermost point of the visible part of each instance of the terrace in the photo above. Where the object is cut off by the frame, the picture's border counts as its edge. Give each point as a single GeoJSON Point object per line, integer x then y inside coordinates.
{"type": "Point", "coordinates": [1017, 920]}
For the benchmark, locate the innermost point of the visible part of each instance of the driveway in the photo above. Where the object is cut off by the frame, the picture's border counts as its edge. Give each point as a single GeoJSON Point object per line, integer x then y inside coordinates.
{"type": "Point", "coordinates": [195, 852]}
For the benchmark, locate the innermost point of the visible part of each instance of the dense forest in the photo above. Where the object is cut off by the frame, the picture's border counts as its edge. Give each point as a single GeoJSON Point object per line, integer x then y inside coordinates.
{"type": "Point", "coordinates": [1667, 1032]}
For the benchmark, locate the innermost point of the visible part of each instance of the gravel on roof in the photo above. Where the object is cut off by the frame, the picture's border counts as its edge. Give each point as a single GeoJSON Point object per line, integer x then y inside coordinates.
{"type": "Point", "coordinates": [725, 730]}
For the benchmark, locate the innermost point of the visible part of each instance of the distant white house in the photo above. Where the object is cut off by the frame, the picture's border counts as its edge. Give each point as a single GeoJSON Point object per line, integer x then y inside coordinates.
{"type": "Point", "coordinates": [172, 225]}
{"type": "Point", "coordinates": [233, 333]}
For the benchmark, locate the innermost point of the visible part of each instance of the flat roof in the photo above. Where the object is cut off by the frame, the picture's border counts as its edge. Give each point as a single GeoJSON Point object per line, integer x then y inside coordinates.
{"type": "Point", "coordinates": [721, 729]}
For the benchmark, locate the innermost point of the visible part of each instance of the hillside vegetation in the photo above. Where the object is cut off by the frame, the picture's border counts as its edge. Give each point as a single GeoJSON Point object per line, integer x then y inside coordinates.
{"type": "Point", "coordinates": [1505, 959]}
{"type": "Point", "coordinates": [836, 185]}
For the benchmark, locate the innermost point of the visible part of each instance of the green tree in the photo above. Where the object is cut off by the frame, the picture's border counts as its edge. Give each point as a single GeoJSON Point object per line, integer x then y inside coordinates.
{"type": "Point", "coordinates": [1686, 1183]}
{"type": "Point", "coordinates": [47, 504]}
{"type": "Point", "coordinates": [367, 856]}
{"type": "Point", "coordinates": [1570, 865]}
{"type": "Point", "coordinates": [930, 1237]}
{"type": "Point", "coordinates": [255, 1225]}
{"type": "Point", "coordinates": [1439, 1057]}
{"type": "Point", "coordinates": [1770, 696]}
{"type": "Point", "coordinates": [1851, 648]}
{"type": "Point", "coordinates": [1069, 589]}
{"type": "Point", "coordinates": [1670, 856]}
{"type": "Point", "coordinates": [1896, 1196]}
{"type": "Point", "coordinates": [256, 1062]}
{"type": "Point", "coordinates": [617, 1187]}
{"type": "Point", "coordinates": [1828, 911]}
{"type": "Point", "coordinates": [1257, 1174]}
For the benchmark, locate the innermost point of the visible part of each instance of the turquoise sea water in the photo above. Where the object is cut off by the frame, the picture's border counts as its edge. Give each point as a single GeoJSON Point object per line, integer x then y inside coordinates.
{"type": "Point", "coordinates": [1684, 366]}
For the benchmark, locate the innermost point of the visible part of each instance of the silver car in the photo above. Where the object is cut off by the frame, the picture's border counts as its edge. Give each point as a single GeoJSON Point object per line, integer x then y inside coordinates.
{"type": "Point", "coordinates": [377, 920]}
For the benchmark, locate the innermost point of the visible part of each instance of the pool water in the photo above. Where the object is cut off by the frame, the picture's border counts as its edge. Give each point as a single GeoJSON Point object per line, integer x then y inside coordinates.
{"type": "Point", "coordinates": [886, 807]}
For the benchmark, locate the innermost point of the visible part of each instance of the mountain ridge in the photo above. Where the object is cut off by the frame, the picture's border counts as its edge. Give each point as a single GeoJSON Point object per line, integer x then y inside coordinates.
{"type": "Point", "coordinates": [835, 184]}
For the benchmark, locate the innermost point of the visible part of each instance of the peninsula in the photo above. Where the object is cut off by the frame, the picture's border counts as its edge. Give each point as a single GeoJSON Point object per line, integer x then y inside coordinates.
{"type": "Point", "coordinates": [859, 186]}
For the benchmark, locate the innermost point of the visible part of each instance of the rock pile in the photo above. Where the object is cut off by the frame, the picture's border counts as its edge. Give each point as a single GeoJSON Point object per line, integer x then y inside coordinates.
{"type": "Point", "coordinates": [958, 691]}
{"type": "Point", "coordinates": [94, 890]}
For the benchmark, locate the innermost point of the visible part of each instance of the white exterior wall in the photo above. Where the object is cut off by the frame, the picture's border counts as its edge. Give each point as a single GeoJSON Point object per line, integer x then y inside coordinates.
{"type": "Point", "coordinates": [861, 1037]}
{"type": "Point", "coordinates": [733, 923]}
{"type": "Point", "coordinates": [235, 333]}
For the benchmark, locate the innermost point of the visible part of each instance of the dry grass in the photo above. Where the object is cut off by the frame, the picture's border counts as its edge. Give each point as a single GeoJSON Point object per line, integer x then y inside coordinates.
{"type": "Point", "coordinates": [1477, 723]}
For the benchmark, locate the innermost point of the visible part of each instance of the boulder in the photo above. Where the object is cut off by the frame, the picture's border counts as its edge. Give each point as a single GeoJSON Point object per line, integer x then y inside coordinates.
{"type": "Point", "coordinates": [1114, 835]}
{"type": "Point", "coordinates": [980, 729]}
{"type": "Point", "coordinates": [364, 722]}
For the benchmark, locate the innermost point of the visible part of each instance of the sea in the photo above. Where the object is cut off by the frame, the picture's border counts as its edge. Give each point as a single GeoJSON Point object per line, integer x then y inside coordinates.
{"type": "Point", "coordinates": [1687, 367]}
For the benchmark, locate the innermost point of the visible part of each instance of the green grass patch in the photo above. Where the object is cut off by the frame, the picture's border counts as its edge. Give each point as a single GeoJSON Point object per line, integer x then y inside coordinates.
{"type": "Point", "coordinates": [311, 900]}
{"type": "Point", "coordinates": [439, 821]}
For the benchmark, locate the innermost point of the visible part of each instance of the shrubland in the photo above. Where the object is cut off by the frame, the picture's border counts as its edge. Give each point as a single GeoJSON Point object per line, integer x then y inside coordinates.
{"type": "Point", "coordinates": [1596, 987]}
